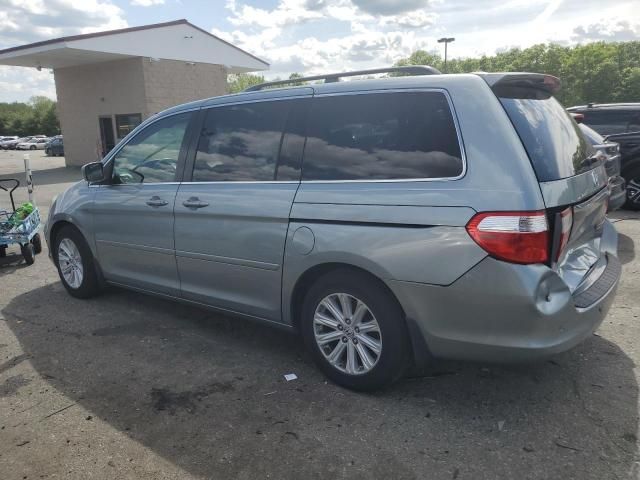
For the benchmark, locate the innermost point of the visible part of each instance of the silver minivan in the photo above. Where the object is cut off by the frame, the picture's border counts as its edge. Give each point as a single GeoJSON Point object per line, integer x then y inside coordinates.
{"type": "Point", "coordinates": [390, 221]}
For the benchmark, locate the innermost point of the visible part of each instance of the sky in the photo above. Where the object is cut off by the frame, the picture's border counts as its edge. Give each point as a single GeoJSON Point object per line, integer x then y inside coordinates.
{"type": "Point", "coordinates": [321, 36]}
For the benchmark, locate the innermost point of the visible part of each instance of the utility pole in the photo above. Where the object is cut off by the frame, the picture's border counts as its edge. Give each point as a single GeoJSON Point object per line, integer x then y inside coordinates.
{"type": "Point", "coordinates": [446, 41]}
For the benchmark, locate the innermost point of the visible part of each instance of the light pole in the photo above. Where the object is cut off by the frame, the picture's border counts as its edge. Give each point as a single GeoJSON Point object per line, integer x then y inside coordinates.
{"type": "Point", "coordinates": [446, 41]}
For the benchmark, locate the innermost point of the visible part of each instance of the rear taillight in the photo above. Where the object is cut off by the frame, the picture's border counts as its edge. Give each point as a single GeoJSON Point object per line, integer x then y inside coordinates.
{"type": "Point", "coordinates": [517, 237]}
{"type": "Point", "coordinates": [566, 222]}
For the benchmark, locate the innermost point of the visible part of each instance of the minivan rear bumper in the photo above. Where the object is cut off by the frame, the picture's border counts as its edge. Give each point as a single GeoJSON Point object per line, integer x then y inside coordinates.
{"type": "Point", "coordinates": [502, 312]}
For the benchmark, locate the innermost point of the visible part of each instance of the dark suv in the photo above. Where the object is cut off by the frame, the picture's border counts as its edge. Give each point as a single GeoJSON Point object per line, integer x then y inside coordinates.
{"type": "Point", "coordinates": [619, 123]}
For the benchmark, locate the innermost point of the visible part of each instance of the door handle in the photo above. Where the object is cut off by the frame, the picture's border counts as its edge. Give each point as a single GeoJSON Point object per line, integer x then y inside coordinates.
{"type": "Point", "coordinates": [156, 201]}
{"type": "Point", "coordinates": [194, 202]}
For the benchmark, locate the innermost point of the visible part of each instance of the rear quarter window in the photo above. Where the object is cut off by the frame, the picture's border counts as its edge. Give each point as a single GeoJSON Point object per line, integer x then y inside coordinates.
{"type": "Point", "coordinates": [382, 136]}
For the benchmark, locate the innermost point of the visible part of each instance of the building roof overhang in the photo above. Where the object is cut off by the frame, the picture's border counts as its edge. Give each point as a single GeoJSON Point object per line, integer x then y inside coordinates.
{"type": "Point", "coordinates": [177, 40]}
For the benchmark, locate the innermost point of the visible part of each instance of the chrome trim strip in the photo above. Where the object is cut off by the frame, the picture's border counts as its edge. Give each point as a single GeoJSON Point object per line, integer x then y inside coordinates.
{"type": "Point", "coordinates": [134, 246]}
{"type": "Point", "coordinates": [404, 90]}
{"type": "Point", "coordinates": [227, 260]}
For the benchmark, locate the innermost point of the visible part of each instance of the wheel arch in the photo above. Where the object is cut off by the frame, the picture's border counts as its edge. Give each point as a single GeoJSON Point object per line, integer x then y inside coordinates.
{"type": "Point", "coordinates": [419, 350]}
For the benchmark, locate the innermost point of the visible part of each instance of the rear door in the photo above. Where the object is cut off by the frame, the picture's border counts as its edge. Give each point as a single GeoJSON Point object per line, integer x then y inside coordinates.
{"type": "Point", "coordinates": [232, 216]}
{"type": "Point", "coordinates": [572, 176]}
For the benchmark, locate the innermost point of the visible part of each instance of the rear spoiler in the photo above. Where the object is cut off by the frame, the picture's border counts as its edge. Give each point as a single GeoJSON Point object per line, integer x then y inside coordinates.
{"type": "Point", "coordinates": [539, 81]}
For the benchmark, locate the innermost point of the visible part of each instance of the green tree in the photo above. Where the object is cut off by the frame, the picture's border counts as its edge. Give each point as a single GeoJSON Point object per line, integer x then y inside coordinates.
{"type": "Point", "coordinates": [594, 72]}
{"type": "Point", "coordinates": [241, 81]}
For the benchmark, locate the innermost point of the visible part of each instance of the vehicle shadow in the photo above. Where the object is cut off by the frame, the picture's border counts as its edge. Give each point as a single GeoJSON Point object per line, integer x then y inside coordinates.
{"type": "Point", "coordinates": [207, 393]}
{"type": "Point", "coordinates": [50, 176]}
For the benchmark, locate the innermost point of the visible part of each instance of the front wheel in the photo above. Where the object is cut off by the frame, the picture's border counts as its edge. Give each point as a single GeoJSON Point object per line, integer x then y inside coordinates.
{"type": "Point", "coordinates": [355, 330]}
{"type": "Point", "coordinates": [32, 147]}
{"type": "Point", "coordinates": [75, 264]}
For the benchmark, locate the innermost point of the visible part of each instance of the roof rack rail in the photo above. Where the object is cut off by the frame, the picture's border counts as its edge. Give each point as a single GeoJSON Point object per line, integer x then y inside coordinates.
{"type": "Point", "coordinates": [335, 77]}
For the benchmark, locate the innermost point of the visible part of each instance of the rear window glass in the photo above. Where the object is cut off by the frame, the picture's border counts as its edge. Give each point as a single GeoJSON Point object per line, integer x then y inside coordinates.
{"type": "Point", "coordinates": [552, 138]}
{"type": "Point", "coordinates": [381, 136]}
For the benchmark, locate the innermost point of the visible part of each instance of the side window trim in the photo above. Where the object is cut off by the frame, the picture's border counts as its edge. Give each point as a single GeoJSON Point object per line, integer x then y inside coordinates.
{"type": "Point", "coordinates": [193, 145]}
{"type": "Point", "coordinates": [108, 161]}
{"type": "Point", "coordinates": [401, 90]}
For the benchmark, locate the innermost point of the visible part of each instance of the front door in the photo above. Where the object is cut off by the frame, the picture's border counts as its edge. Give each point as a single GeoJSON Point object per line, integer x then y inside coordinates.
{"type": "Point", "coordinates": [232, 218]}
{"type": "Point", "coordinates": [133, 214]}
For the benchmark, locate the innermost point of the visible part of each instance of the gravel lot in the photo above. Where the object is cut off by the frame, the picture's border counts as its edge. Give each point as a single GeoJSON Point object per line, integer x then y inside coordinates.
{"type": "Point", "coordinates": [129, 386]}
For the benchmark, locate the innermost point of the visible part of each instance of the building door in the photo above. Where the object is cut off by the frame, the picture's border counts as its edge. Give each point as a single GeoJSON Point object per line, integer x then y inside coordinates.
{"type": "Point", "coordinates": [107, 136]}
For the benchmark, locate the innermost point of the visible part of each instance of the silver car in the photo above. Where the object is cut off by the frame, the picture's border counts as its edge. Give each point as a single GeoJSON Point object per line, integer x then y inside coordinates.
{"type": "Point", "coordinates": [389, 221]}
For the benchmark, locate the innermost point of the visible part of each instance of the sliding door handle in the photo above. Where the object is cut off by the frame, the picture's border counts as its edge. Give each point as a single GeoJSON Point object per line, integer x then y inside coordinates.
{"type": "Point", "coordinates": [156, 201]}
{"type": "Point", "coordinates": [195, 202]}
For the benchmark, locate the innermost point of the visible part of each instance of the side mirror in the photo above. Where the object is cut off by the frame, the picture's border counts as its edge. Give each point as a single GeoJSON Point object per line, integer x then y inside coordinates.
{"type": "Point", "coordinates": [93, 172]}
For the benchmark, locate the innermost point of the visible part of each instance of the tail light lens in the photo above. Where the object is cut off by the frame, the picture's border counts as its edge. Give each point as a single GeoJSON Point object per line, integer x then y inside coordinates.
{"type": "Point", "coordinates": [516, 237]}
{"type": "Point", "coordinates": [566, 222]}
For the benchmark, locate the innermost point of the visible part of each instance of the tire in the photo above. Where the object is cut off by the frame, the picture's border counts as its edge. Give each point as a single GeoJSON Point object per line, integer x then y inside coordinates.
{"type": "Point", "coordinates": [632, 177]}
{"type": "Point", "coordinates": [3, 251]}
{"type": "Point", "coordinates": [80, 261]}
{"type": "Point", "coordinates": [28, 253]}
{"type": "Point", "coordinates": [47, 152]}
{"type": "Point", "coordinates": [384, 312]}
{"type": "Point", "coordinates": [32, 147]}
{"type": "Point", "coordinates": [37, 243]}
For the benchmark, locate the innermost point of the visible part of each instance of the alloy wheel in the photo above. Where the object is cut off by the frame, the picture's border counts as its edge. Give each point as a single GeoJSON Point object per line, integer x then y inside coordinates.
{"type": "Point", "coordinates": [347, 333]}
{"type": "Point", "coordinates": [70, 263]}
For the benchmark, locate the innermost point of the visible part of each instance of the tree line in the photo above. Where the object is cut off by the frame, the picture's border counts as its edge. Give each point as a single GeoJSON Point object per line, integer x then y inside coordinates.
{"type": "Point", "coordinates": [37, 117]}
{"type": "Point", "coordinates": [597, 72]}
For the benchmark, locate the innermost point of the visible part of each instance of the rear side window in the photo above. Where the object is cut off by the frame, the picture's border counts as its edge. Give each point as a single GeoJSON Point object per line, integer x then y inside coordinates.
{"type": "Point", "coordinates": [381, 136]}
{"type": "Point", "coordinates": [241, 142]}
{"type": "Point", "coordinates": [556, 146]}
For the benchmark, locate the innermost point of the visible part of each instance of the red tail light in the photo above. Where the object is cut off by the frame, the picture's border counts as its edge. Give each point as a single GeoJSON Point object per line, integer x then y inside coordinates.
{"type": "Point", "coordinates": [516, 237]}
{"type": "Point", "coordinates": [566, 219]}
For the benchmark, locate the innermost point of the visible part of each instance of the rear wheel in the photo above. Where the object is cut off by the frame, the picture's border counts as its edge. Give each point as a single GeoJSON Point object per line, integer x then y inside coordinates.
{"type": "Point", "coordinates": [47, 152]}
{"type": "Point", "coordinates": [28, 253]}
{"type": "Point", "coordinates": [355, 330]}
{"type": "Point", "coordinates": [32, 147]}
{"type": "Point", "coordinates": [75, 263]}
{"type": "Point", "coordinates": [633, 188]}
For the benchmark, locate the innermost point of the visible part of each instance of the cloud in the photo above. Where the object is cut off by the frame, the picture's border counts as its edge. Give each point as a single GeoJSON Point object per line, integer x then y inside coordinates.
{"type": "Point", "coordinates": [611, 30]}
{"type": "Point", "coordinates": [19, 84]}
{"type": "Point", "coordinates": [29, 21]}
{"type": "Point", "coordinates": [24, 21]}
{"type": "Point", "coordinates": [390, 7]}
{"type": "Point", "coordinates": [146, 3]}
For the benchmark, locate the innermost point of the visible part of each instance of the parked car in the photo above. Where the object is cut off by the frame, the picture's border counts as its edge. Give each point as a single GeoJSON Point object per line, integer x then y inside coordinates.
{"type": "Point", "coordinates": [7, 138]}
{"type": "Point", "coordinates": [54, 147]}
{"type": "Point", "coordinates": [11, 144]}
{"type": "Point", "coordinates": [33, 144]}
{"type": "Point", "coordinates": [610, 153]}
{"type": "Point", "coordinates": [390, 221]}
{"type": "Point", "coordinates": [620, 123]}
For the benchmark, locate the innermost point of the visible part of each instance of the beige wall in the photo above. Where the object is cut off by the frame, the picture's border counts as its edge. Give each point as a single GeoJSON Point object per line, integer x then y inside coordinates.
{"type": "Point", "coordinates": [135, 85]}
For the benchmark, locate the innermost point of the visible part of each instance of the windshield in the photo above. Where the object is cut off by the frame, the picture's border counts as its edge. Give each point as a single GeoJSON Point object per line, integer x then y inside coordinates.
{"type": "Point", "coordinates": [556, 146]}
